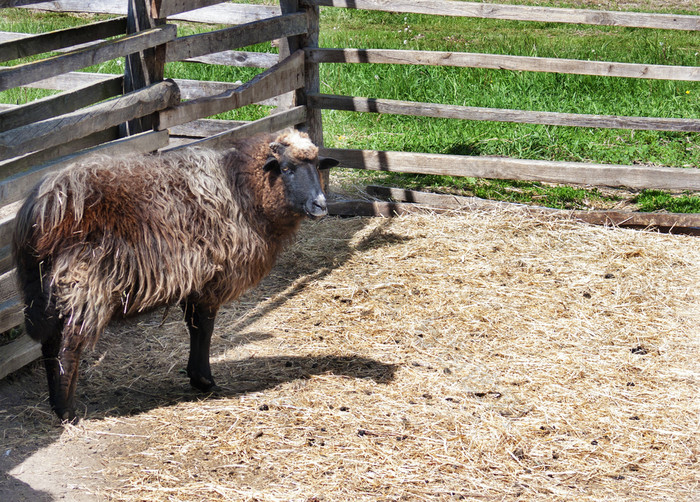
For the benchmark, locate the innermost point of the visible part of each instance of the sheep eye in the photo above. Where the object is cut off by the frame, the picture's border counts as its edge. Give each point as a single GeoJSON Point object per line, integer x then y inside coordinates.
{"type": "Point", "coordinates": [286, 169]}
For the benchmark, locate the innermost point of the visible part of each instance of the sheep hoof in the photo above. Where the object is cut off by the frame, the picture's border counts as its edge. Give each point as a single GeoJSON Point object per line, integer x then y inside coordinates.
{"type": "Point", "coordinates": [202, 383]}
{"type": "Point", "coordinates": [68, 417]}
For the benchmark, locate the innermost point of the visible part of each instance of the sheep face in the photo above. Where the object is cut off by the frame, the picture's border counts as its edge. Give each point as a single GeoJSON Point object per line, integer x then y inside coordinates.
{"type": "Point", "coordinates": [300, 177]}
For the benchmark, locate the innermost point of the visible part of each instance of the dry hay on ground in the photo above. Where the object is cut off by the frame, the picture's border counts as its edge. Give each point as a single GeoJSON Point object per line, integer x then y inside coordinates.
{"type": "Point", "coordinates": [483, 355]}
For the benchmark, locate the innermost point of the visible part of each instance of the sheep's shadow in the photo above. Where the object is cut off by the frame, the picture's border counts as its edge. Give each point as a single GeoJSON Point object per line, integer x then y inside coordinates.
{"type": "Point", "coordinates": [234, 378]}
{"type": "Point", "coordinates": [28, 425]}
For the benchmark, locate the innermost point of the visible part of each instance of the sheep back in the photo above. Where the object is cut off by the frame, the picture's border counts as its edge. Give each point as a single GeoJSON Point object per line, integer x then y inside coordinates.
{"type": "Point", "coordinates": [124, 235]}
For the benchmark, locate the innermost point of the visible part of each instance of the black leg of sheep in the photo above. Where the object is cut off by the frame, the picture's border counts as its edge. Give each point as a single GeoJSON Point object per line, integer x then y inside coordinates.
{"type": "Point", "coordinates": [200, 322]}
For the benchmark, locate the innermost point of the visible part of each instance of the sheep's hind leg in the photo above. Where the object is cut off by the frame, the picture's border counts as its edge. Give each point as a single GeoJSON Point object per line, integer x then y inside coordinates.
{"type": "Point", "coordinates": [61, 359]}
{"type": "Point", "coordinates": [200, 322]}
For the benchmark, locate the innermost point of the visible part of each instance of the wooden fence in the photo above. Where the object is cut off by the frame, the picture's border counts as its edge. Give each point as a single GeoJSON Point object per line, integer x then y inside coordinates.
{"type": "Point", "coordinates": [142, 112]}
{"type": "Point", "coordinates": [138, 111]}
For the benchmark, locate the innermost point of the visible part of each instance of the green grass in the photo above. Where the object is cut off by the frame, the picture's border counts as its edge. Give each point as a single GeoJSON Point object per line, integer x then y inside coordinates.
{"type": "Point", "coordinates": [484, 88]}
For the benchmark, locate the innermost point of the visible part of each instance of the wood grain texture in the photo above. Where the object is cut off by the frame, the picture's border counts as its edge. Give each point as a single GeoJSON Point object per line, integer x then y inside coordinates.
{"type": "Point", "coordinates": [504, 62]}
{"type": "Point", "coordinates": [66, 102]}
{"type": "Point", "coordinates": [20, 75]}
{"type": "Point", "coordinates": [409, 202]}
{"type": "Point", "coordinates": [577, 173]}
{"type": "Point", "coordinates": [389, 106]}
{"type": "Point", "coordinates": [238, 58]}
{"type": "Point", "coordinates": [521, 13]}
{"type": "Point", "coordinates": [20, 352]}
{"type": "Point", "coordinates": [74, 125]}
{"type": "Point", "coordinates": [16, 3]}
{"type": "Point", "coordinates": [189, 89]}
{"type": "Point", "coordinates": [19, 164]}
{"type": "Point", "coordinates": [223, 13]}
{"type": "Point", "coordinates": [165, 8]}
{"type": "Point", "coordinates": [273, 123]}
{"type": "Point", "coordinates": [203, 128]}
{"type": "Point", "coordinates": [679, 221]}
{"type": "Point", "coordinates": [142, 68]}
{"type": "Point", "coordinates": [235, 37]}
{"type": "Point", "coordinates": [283, 77]}
{"type": "Point", "coordinates": [51, 41]}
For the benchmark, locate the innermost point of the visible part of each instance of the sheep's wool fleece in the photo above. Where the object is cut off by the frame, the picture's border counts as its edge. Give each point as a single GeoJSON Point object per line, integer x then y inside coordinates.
{"type": "Point", "coordinates": [129, 234]}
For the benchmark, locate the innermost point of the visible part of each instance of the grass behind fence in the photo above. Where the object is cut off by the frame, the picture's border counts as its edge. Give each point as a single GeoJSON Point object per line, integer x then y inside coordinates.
{"type": "Point", "coordinates": [484, 88]}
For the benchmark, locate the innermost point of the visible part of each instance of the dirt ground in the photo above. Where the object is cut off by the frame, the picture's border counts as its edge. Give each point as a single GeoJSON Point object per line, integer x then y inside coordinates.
{"type": "Point", "coordinates": [455, 357]}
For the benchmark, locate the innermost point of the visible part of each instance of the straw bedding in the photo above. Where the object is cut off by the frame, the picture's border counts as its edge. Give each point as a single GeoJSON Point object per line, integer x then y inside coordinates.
{"type": "Point", "coordinates": [480, 355]}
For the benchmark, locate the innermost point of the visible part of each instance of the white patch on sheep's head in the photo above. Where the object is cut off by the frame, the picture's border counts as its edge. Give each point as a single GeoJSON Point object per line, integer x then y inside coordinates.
{"type": "Point", "coordinates": [294, 158]}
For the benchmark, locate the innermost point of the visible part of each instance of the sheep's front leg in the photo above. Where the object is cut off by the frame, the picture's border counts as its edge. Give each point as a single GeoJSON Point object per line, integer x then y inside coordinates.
{"type": "Point", "coordinates": [200, 322]}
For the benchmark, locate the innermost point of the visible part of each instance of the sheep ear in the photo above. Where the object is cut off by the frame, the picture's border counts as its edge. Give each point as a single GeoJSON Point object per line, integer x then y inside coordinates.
{"type": "Point", "coordinates": [327, 162]}
{"type": "Point", "coordinates": [276, 147]}
{"type": "Point", "coordinates": [271, 164]}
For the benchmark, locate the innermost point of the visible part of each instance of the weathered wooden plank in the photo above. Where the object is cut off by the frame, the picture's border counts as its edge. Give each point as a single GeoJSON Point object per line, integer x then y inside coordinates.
{"type": "Point", "coordinates": [269, 124]}
{"type": "Point", "coordinates": [8, 287]}
{"type": "Point", "coordinates": [6, 262]}
{"type": "Point", "coordinates": [224, 13]}
{"type": "Point", "coordinates": [7, 223]}
{"type": "Point", "coordinates": [22, 351]}
{"type": "Point", "coordinates": [19, 164]}
{"type": "Point", "coordinates": [16, 3]}
{"type": "Point", "coordinates": [167, 8]}
{"type": "Point", "coordinates": [16, 187]}
{"type": "Point", "coordinates": [20, 75]}
{"type": "Point", "coordinates": [8, 36]}
{"type": "Point", "coordinates": [521, 13]}
{"type": "Point", "coordinates": [189, 89]}
{"type": "Point", "coordinates": [238, 58]}
{"type": "Point", "coordinates": [389, 106]}
{"type": "Point", "coordinates": [679, 222]}
{"type": "Point", "coordinates": [236, 37]}
{"type": "Point", "coordinates": [143, 68]}
{"type": "Point", "coordinates": [80, 123]}
{"type": "Point", "coordinates": [194, 89]}
{"type": "Point", "coordinates": [666, 222]}
{"type": "Point", "coordinates": [283, 77]}
{"type": "Point", "coordinates": [70, 81]}
{"type": "Point", "coordinates": [59, 104]}
{"type": "Point", "coordinates": [665, 178]}
{"type": "Point", "coordinates": [58, 39]}
{"type": "Point", "coordinates": [504, 62]}
{"type": "Point", "coordinates": [203, 128]}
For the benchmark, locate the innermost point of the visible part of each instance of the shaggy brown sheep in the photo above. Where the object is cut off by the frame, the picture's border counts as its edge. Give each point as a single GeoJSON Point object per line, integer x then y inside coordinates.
{"type": "Point", "coordinates": [119, 236]}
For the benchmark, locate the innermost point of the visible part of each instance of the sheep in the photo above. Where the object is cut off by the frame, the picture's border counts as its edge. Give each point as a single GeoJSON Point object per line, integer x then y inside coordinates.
{"type": "Point", "coordinates": [120, 236]}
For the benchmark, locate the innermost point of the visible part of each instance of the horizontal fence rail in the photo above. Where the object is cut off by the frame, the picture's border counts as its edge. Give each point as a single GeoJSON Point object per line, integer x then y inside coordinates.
{"type": "Point", "coordinates": [66, 102]}
{"type": "Point", "coordinates": [276, 122]}
{"type": "Point", "coordinates": [238, 36]}
{"type": "Point", "coordinates": [59, 39]}
{"type": "Point", "coordinates": [78, 124]}
{"type": "Point", "coordinates": [20, 164]}
{"type": "Point", "coordinates": [20, 75]}
{"type": "Point", "coordinates": [284, 77]}
{"type": "Point", "coordinates": [666, 178]}
{"type": "Point", "coordinates": [520, 13]}
{"type": "Point", "coordinates": [221, 13]}
{"type": "Point", "coordinates": [395, 107]}
{"type": "Point", "coordinates": [500, 62]}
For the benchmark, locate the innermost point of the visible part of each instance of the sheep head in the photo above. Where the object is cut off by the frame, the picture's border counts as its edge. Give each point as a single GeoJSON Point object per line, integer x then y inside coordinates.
{"type": "Point", "coordinates": [294, 159]}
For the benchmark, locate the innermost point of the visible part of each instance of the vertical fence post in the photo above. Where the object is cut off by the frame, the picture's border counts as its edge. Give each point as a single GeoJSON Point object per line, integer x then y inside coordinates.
{"type": "Point", "coordinates": [312, 82]}
{"type": "Point", "coordinates": [143, 68]}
